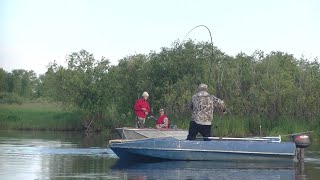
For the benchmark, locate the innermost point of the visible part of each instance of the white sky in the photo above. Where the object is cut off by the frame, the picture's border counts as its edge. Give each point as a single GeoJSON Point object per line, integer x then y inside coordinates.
{"type": "Point", "coordinates": [36, 32]}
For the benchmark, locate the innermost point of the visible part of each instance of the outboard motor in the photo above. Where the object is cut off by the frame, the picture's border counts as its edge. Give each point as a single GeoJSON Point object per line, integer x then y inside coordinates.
{"type": "Point", "coordinates": [302, 141]}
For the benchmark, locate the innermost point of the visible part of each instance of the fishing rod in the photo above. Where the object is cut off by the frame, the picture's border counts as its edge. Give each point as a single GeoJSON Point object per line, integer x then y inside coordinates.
{"type": "Point", "coordinates": [211, 62]}
{"type": "Point", "coordinates": [212, 53]}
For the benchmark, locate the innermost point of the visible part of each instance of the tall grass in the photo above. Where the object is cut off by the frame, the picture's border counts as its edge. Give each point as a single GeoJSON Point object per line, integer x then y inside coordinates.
{"type": "Point", "coordinates": [38, 116]}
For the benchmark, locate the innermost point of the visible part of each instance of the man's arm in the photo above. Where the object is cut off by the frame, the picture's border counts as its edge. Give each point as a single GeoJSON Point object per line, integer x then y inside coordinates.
{"type": "Point", "coordinates": [164, 124]}
{"type": "Point", "coordinates": [190, 105]}
{"type": "Point", "coordinates": [137, 106]}
{"type": "Point", "coordinates": [219, 104]}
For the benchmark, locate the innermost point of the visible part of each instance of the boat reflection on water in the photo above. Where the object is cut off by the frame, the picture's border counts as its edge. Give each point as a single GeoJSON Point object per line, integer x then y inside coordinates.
{"type": "Point", "coordinates": [299, 171]}
{"type": "Point", "coordinates": [204, 170]}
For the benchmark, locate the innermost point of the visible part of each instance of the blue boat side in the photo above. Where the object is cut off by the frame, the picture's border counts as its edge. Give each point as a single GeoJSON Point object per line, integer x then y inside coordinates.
{"type": "Point", "coordinates": [215, 150]}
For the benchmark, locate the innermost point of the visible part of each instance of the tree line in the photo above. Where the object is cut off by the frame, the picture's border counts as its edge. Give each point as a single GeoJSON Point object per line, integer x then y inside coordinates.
{"type": "Point", "coordinates": [272, 86]}
{"type": "Point", "coordinates": [18, 85]}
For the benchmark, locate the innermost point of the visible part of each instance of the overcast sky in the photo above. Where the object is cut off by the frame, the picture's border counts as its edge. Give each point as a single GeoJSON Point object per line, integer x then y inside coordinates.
{"type": "Point", "coordinates": [36, 32]}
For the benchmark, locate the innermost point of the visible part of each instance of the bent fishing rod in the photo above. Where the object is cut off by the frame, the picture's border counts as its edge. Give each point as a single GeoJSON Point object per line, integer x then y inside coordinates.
{"type": "Point", "coordinates": [212, 53]}
{"type": "Point", "coordinates": [211, 61]}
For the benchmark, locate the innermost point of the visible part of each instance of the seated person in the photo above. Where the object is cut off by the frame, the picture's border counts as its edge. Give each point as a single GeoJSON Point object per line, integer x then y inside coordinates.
{"type": "Point", "coordinates": [162, 121]}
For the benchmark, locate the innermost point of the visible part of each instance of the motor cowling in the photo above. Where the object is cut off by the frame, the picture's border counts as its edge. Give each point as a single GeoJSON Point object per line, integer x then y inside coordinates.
{"type": "Point", "coordinates": [301, 140]}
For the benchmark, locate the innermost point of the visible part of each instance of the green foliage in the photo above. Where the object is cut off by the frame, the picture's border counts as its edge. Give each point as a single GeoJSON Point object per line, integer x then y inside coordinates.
{"type": "Point", "coordinates": [3, 81]}
{"type": "Point", "coordinates": [21, 82]}
{"type": "Point", "coordinates": [10, 98]}
{"type": "Point", "coordinates": [258, 89]}
{"type": "Point", "coordinates": [80, 86]}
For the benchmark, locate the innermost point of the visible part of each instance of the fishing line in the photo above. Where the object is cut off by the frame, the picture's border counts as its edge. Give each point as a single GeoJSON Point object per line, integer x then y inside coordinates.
{"type": "Point", "coordinates": [212, 53]}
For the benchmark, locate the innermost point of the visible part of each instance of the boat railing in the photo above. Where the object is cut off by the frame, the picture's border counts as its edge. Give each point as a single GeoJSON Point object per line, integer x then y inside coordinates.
{"type": "Point", "coordinates": [267, 139]}
{"type": "Point", "coordinates": [123, 140]}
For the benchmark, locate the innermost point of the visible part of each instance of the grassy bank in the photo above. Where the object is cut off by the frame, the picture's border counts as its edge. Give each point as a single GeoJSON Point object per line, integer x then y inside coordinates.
{"type": "Point", "coordinates": [38, 116]}
{"type": "Point", "coordinates": [46, 116]}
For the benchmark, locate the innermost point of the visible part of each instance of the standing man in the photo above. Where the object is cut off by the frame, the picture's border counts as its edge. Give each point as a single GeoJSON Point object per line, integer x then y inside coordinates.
{"type": "Point", "coordinates": [202, 105]}
{"type": "Point", "coordinates": [141, 109]}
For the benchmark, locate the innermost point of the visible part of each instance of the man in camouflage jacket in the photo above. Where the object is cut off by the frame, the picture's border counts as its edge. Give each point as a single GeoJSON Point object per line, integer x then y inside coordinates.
{"type": "Point", "coordinates": [202, 105]}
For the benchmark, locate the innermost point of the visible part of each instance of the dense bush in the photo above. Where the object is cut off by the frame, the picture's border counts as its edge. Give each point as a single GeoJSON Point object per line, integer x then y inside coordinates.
{"type": "Point", "coordinates": [10, 98]}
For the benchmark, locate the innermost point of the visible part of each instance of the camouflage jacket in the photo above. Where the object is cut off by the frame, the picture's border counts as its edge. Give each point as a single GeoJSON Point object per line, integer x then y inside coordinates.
{"type": "Point", "coordinates": [202, 105]}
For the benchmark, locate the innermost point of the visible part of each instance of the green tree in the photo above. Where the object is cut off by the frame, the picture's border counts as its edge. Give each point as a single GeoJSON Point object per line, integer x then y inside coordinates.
{"type": "Point", "coordinates": [79, 86]}
{"type": "Point", "coordinates": [3, 82]}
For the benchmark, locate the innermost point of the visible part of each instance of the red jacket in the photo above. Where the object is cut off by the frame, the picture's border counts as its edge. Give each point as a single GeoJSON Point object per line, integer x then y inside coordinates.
{"type": "Point", "coordinates": [161, 121]}
{"type": "Point", "coordinates": [141, 103]}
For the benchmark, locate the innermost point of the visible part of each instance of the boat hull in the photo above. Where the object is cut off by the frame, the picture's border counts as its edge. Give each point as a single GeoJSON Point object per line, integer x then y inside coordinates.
{"type": "Point", "coordinates": [215, 150]}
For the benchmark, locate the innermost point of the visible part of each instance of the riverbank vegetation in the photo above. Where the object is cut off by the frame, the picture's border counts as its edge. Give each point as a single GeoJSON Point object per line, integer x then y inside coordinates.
{"type": "Point", "coordinates": [275, 90]}
{"type": "Point", "coordinates": [51, 117]}
{"type": "Point", "coordinates": [38, 116]}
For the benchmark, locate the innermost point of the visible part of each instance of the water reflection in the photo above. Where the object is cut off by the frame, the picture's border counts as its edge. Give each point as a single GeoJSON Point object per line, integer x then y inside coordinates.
{"type": "Point", "coordinates": [35, 158]}
{"type": "Point", "coordinates": [204, 170]}
{"type": "Point", "coordinates": [299, 171]}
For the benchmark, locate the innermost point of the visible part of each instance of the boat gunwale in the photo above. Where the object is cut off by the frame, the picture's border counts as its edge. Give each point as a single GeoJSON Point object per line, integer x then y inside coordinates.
{"type": "Point", "coordinates": [164, 132]}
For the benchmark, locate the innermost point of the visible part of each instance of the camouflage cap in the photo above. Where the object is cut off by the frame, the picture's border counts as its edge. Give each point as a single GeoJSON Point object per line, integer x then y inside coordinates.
{"type": "Point", "coordinates": [203, 87]}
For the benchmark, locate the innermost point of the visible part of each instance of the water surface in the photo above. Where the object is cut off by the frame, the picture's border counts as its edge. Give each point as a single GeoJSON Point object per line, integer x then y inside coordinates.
{"type": "Point", "coordinates": [61, 155]}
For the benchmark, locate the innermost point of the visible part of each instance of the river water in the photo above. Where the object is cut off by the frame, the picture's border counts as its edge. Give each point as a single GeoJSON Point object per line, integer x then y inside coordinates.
{"type": "Point", "coordinates": [61, 155]}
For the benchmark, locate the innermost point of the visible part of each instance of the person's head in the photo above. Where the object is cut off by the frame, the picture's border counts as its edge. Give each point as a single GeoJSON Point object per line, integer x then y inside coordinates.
{"type": "Point", "coordinates": [161, 111]}
{"type": "Point", "coordinates": [145, 95]}
{"type": "Point", "coordinates": [203, 87]}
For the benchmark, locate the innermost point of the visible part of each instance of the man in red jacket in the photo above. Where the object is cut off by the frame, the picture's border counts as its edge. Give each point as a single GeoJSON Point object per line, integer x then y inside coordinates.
{"type": "Point", "coordinates": [141, 109]}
